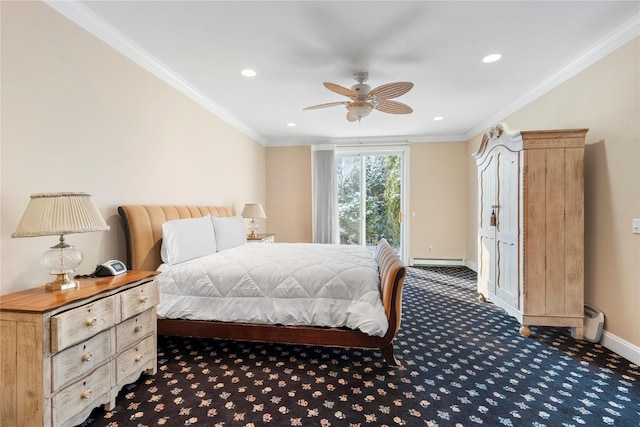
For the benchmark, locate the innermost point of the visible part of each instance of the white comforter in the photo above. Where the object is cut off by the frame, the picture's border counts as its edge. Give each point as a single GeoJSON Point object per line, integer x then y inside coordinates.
{"type": "Point", "coordinates": [280, 283]}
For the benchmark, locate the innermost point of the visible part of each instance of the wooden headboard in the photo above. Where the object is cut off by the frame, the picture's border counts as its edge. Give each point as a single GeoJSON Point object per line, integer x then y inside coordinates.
{"type": "Point", "coordinates": [143, 229]}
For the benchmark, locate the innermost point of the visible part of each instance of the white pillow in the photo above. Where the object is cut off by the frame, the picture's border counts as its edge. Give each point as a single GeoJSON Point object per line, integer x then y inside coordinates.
{"type": "Point", "coordinates": [229, 231]}
{"type": "Point", "coordinates": [185, 239]}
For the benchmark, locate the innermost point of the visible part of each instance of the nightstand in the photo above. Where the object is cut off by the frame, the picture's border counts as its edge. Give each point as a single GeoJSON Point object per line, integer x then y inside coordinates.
{"type": "Point", "coordinates": [62, 353]}
{"type": "Point", "coordinates": [262, 238]}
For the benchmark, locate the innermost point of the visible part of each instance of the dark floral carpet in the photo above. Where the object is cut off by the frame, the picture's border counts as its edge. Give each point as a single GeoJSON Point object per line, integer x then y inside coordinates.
{"type": "Point", "coordinates": [463, 364]}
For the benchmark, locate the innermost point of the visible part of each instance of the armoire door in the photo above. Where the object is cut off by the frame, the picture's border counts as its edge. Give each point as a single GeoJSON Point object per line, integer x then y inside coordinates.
{"type": "Point", "coordinates": [487, 190]}
{"type": "Point", "coordinates": [498, 229]}
{"type": "Point", "coordinates": [506, 229]}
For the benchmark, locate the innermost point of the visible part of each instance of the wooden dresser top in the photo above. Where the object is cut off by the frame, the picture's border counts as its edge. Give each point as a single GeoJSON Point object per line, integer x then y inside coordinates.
{"type": "Point", "coordinates": [39, 300]}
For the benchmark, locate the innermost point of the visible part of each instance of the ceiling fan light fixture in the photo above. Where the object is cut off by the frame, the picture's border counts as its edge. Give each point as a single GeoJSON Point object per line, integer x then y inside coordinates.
{"type": "Point", "coordinates": [360, 109]}
{"type": "Point", "coordinates": [364, 99]}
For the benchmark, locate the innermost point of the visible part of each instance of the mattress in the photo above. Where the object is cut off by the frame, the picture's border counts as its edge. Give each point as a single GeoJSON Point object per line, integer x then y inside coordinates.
{"type": "Point", "coordinates": [280, 283]}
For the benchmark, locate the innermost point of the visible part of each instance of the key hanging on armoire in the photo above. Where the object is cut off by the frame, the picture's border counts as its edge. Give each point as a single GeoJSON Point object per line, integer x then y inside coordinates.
{"type": "Point", "coordinates": [493, 221]}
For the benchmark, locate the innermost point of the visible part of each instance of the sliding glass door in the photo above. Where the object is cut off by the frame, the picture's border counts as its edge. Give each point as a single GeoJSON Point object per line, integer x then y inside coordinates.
{"type": "Point", "coordinates": [371, 197]}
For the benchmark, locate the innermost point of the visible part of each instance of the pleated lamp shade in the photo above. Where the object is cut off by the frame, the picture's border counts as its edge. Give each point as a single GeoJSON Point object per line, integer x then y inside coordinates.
{"type": "Point", "coordinates": [253, 210]}
{"type": "Point", "coordinates": [51, 214]}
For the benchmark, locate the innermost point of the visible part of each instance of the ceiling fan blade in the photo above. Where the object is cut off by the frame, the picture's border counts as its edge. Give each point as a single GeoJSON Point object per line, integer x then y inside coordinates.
{"type": "Point", "coordinates": [330, 104]}
{"type": "Point", "coordinates": [340, 89]}
{"type": "Point", "coordinates": [351, 117]}
{"type": "Point", "coordinates": [391, 90]}
{"type": "Point", "coordinates": [393, 107]}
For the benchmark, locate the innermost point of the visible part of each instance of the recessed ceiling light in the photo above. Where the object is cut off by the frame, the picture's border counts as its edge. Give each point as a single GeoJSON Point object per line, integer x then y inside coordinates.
{"type": "Point", "coordinates": [438, 118]}
{"type": "Point", "coordinates": [291, 124]}
{"type": "Point", "coordinates": [248, 73]}
{"type": "Point", "coordinates": [491, 58]}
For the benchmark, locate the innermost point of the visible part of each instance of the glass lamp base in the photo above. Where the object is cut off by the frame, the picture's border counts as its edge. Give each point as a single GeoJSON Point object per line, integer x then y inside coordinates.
{"type": "Point", "coordinates": [63, 282]}
{"type": "Point", "coordinates": [61, 260]}
{"type": "Point", "coordinates": [253, 229]}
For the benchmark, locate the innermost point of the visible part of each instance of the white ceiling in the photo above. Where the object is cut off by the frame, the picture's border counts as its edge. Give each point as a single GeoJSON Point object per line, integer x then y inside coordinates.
{"type": "Point", "coordinates": [200, 47]}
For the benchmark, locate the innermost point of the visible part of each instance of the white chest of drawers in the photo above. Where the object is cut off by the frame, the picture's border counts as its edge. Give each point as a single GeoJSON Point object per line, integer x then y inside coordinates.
{"type": "Point", "coordinates": [63, 353]}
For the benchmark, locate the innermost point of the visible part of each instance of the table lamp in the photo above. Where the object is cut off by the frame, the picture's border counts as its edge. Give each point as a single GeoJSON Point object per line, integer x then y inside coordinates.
{"type": "Point", "coordinates": [57, 214]}
{"type": "Point", "coordinates": [253, 211]}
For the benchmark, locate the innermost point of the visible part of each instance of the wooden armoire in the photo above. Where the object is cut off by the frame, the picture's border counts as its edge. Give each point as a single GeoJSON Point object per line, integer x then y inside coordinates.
{"type": "Point", "coordinates": [531, 225]}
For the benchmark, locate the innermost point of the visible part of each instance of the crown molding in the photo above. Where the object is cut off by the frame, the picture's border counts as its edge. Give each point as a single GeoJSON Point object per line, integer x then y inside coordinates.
{"type": "Point", "coordinates": [87, 19]}
{"type": "Point", "coordinates": [626, 32]}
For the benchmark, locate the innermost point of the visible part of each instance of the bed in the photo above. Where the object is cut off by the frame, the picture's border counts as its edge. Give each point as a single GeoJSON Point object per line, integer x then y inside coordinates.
{"type": "Point", "coordinates": [143, 226]}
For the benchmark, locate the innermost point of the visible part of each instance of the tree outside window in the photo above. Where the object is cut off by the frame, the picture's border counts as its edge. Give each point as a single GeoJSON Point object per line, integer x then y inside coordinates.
{"type": "Point", "coordinates": [382, 190]}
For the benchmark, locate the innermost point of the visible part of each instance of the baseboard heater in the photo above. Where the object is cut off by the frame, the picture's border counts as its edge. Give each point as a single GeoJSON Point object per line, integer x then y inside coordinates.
{"type": "Point", "coordinates": [435, 262]}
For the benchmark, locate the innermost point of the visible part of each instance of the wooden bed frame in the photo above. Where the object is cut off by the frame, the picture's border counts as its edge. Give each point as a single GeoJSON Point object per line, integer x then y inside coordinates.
{"type": "Point", "coordinates": [143, 232]}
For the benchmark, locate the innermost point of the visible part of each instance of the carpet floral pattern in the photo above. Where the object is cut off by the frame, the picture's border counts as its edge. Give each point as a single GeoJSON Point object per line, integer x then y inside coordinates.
{"type": "Point", "coordinates": [463, 364]}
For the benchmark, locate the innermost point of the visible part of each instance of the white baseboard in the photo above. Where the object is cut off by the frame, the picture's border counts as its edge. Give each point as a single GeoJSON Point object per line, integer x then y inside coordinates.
{"type": "Point", "coordinates": [624, 348]}
{"type": "Point", "coordinates": [471, 265]}
{"type": "Point", "coordinates": [437, 262]}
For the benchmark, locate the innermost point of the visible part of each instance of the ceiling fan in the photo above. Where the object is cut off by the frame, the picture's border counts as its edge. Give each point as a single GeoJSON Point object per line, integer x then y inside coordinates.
{"type": "Point", "coordinates": [364, 99]}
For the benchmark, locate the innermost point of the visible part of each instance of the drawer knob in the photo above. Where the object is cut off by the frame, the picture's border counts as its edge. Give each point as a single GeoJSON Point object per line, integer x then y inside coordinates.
{"type": "Point", "coordinates": [137, 329]}
{"type": "Point", "coordinates": [143, 299]}
{"type": "Point", "coordinates": [91, 321]}
{"type": "Point", "coordinates": [87, 357]}
{"type": "Point", "coordinates": [137, 358]}
{"type": "Point", "coordinates": [85, 394]}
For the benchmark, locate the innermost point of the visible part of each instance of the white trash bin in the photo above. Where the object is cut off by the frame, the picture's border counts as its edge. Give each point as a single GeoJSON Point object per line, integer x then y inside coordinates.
{"type": "Point", "coordinates": [593, 324]}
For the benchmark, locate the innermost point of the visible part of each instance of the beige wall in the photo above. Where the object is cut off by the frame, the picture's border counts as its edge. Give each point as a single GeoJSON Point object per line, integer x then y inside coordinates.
{"type": "Point", "coordinates": [437, 196]}
{"type": "Point", "coordinates": [78, 116]}
{"type": "Point", "coordinates": [604, 98]}
{"type": "Point", "coordinates": [289, 194]}
{"type": "Point", "coordinates": [438, 200]}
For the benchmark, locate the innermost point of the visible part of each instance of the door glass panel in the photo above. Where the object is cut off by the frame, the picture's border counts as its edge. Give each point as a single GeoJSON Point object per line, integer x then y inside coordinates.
{"type": "Point", "coordinates": [366, 220]}
{"type": "Point", "coordinates": [349, 173]}
{"type": "Point", "coordinates": [383, 199]}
